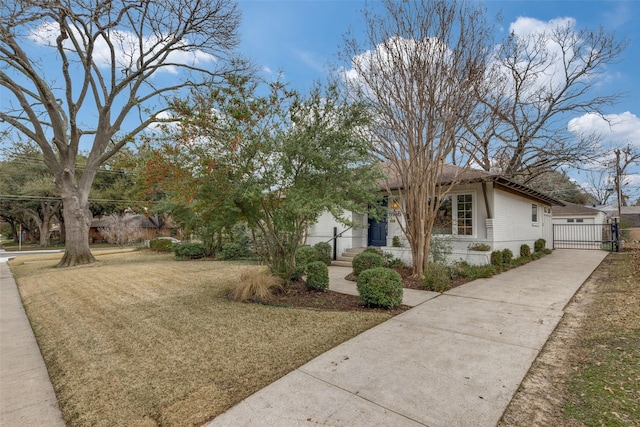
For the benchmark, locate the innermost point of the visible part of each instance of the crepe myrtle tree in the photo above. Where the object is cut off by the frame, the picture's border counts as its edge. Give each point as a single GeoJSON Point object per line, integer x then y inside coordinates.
{"type": "Point", "coordinates": [272, 158]}
{"type": "Point", "coordinates": [420, 66]}
{"type": "Point", "coordinates": [92, 74]}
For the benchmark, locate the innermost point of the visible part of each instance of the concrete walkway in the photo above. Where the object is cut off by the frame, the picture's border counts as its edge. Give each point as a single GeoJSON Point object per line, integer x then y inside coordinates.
{"type": "Point", "coordinates": [453, 360]}
{"type": "Point", "coordinates": [26, 395]}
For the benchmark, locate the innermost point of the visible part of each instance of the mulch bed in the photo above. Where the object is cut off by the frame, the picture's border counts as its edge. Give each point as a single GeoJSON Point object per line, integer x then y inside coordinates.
{"type": "Point", "coordinates": [297, 295]}
{"type": "Point", "coordinates": [409, 283]}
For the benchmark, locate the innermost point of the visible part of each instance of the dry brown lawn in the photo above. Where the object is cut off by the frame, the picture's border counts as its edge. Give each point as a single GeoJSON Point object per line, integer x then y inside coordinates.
{"type": "Point", "coordinates": [138, 339]}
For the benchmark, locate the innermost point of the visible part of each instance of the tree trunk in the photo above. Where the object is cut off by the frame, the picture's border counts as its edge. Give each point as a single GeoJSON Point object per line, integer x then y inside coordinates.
{"type": "Point", "coordinates": [77, 221]}
{"type": "Point", "coordinates": [44, 234]}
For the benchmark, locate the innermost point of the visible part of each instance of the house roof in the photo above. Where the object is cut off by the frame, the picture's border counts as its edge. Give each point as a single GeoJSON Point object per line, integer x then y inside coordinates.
{"type": "Point", "coordinates": [573, 209]}
{"type": "Point", "coordinates": [142, 221]}
{"type": "Point", "coordinates": [452, 173]}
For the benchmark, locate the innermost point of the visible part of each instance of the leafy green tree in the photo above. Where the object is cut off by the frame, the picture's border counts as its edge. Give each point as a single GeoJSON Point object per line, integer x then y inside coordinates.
{"type": "Point", "coordinates": [28, 192]}
{"type": "Point", "coordinates": [276, 161]}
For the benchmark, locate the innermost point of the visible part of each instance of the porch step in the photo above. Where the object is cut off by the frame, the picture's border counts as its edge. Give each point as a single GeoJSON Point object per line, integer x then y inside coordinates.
{"type": "Point", "coordinates": [346, 258]}
{"type": "Point", "coordinates": [342, 264]}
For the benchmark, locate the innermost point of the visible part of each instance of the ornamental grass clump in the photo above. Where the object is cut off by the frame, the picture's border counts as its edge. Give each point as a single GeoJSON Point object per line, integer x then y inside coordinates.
{"type": "Point", "coordinates": [380, 287]}
{"type": "Point", "coordinates": [255, 285]}
{"type": "Point", "coordinates": [317, 276]}
{"type": "Point", "coordinates": [365, 261]}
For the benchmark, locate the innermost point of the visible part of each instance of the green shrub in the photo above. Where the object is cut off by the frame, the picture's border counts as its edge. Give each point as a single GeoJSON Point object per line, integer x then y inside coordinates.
{"type": "Point", "coordinates": [437, 278]}
{"type": "Point", "coordinates": [306, 254]}
{"type": "Point", "coordinates": [161, 245]}
{"type": "Point", "coordinates": [496, 259]}
{"type": "Point", "coordinates": [324, 252]}
{"type": "Point", "coordinates": [231, 250]}
{"type": "Point", "coordinates": [392, 262]}
{"type": "Point", "coordinates": [481, 247]}
{"type": "Point", "coordinates": [380, 287]}
{"type": "Point", "coordinates": [539, 245]}
{"type": "Point", "coordinates": [365, 261]}
{"type": "Point", "coordinates": [507, 257]}
{"type": "Point", "coordinates": [317, 276]}
{"type": "Point", "coordinates": [190, 251]}
{"type": "Point", "coordinates": [395, 242]}
{"type": "Point", "coordinates": [373, 251]}
{"type": "Point", "coordinates": [480, 271]}
{"type": "Point", "coordinates": [525, 251]}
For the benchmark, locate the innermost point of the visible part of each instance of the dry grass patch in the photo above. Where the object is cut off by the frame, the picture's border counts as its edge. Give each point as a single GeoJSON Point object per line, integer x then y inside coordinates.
{"type": "Point", "coordinates": [140, 339]}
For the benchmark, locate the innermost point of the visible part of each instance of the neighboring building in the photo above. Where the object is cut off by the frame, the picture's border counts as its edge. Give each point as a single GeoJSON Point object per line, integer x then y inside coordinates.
{"type": "Point", "coordinates": [483, 208]}
{"type": "Point", "coordinates": [630, 215]}
{"type": "Point", "coordinates": [572, 213]}
{"type": "Point", "coordinates": [148, 229]}
{"type": "Point", "coordinates": [580, 227]}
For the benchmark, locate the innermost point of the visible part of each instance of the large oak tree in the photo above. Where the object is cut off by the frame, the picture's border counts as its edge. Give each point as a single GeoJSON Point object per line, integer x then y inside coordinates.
{"type": "Point", "coordinates": [82, 72]}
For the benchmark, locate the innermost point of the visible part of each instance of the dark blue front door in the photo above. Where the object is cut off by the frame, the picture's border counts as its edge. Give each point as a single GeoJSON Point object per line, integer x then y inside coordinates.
{"type": "Point", "coordinates": [378, 229]}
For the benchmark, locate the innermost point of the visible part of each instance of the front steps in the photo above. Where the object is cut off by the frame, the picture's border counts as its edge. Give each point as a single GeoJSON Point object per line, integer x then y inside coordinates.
{"type": "Point", "coordinates": [347, 256]}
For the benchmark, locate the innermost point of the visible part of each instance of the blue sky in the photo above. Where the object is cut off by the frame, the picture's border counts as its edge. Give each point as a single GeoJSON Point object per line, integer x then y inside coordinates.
{"type": "Point", "coordinates": [302, 39]}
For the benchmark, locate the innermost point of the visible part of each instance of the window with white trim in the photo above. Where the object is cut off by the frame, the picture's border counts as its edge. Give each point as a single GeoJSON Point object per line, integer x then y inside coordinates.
{"type": "Point", "coordinates": [455, 215]}
{"type": "Point", "coordinates": [534, 213]}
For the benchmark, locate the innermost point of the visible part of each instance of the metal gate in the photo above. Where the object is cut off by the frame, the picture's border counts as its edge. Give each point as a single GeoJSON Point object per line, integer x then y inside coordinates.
{"type": "Point", "coordinates": [587, 236]}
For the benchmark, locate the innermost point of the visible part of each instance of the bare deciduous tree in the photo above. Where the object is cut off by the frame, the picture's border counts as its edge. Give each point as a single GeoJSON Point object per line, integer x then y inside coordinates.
{"type": "Point", "coordinates": [104, 63]}
{"type": "Point", "coordinates": [423, 69]}
{"type": "Point", "coordinates": [610, 180]}
{"type": "Point", "coordinates": [540, 79]}
{"type": "Point", "coordinates": [121, 230]}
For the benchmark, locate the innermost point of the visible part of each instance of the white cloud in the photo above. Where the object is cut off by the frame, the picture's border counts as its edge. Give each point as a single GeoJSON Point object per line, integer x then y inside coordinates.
{"type": "Point", "coordinates": [126, 48]}
{"type": "Point", "coordinates": [623, 128]}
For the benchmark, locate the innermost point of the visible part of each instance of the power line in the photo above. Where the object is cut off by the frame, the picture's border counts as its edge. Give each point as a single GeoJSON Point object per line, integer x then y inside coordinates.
{"type": "Point", "coordinates": [18, 197]}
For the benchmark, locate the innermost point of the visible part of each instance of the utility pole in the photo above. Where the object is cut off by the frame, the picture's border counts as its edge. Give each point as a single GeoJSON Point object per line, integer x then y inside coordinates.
{"type": "Point", "coordinates": [617, 180]}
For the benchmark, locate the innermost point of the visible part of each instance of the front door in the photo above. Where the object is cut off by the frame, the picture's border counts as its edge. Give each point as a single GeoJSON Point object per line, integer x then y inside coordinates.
{"type": "Point", "coordinates": [378, 229]}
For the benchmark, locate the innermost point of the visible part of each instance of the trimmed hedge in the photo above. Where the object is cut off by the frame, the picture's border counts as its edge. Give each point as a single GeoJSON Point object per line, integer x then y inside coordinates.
{"type": "Point", "coordinates": [539, 245]}
{"type": "Point", "coordinates": [231, 250]}
{"type": "Point", "coordinates": [324, 252]}
{"type": "Point", "coordinates": [365, 261]}
{"type": "Point", "coordinates": [306, 254]}
{"type": "Point", "coordinates": [161, 245]}
{"type": "Point", "coordinates": [496, 259]}
{"type": "Point", "coordinates": [317, 276]}
{"type": "Point", "coordinates": [190, 251]}
{"type": "Point", "coordinates": [507, 257]}
{"type": "Point", "coordinates": [380, 287]}
{"type": "Point", "coordinates": [525, 251]}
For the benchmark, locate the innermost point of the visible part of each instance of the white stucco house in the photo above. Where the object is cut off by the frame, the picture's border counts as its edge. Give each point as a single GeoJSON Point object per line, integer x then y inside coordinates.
{"type": "Point", "coordinates": [483, 207]}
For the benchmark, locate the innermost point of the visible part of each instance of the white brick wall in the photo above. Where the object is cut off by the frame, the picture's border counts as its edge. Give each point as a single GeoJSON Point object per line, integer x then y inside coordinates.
{"type": "Point", "coordinates": [513, 225]}
{"type": "Point", "coordinates": [322, 231]}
